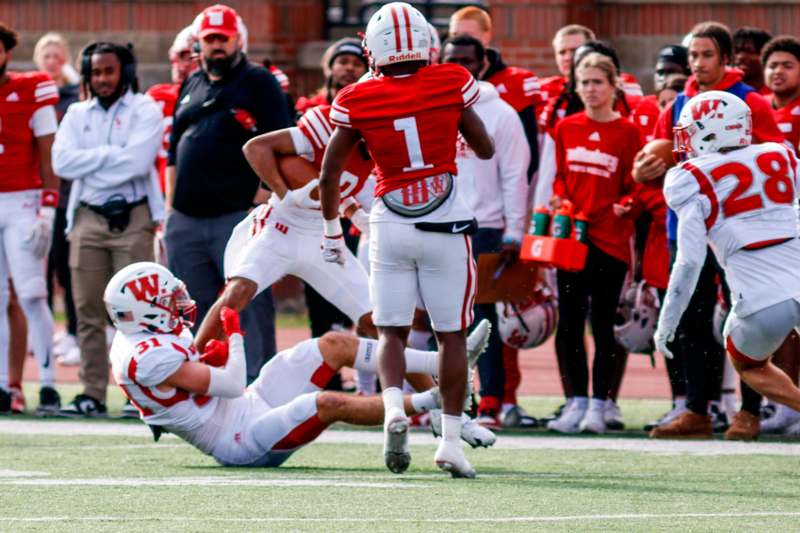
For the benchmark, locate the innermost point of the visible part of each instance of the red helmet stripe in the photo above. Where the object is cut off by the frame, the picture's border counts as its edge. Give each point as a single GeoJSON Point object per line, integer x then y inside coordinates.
{"type": "Point", "coordinates": [396, 30]}
{"type": "Point", "coordinates": [408, 28]}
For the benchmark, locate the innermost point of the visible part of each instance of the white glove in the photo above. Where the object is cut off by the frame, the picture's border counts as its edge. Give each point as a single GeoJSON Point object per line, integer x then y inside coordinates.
{"type": "Point", "coordinates": [41, 234]}
{"type": "Point", "coordinates": [302, 197]}
{"type": "Point", "coordinates": [333, 242]}
{"type": "Point", "coordinates": [662, 336]}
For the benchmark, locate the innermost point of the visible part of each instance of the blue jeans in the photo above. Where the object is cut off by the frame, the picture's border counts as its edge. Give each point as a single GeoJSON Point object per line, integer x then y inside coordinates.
{"type": "Point", "coordinates": [490, 365]}
{"type": "Point", "coordinates": [195, 247]}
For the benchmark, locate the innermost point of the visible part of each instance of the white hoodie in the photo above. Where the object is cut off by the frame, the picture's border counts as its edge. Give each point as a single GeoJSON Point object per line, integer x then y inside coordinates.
{"type": "Point", "coordinates": [496, 189]}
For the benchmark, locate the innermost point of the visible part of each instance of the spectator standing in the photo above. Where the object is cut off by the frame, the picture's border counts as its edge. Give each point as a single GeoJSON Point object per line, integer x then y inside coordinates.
{"type": "Point", "coordinates": [28, 200]}
{"type": "Point", "coordinates": [594, 156]}
{"type": "Point", "coordinates": [51, 55]}
{"type": "Point", "coordinates": [106, 146]}
{"type": "Point", "coordinates": [747, 45]}
{"type": "Point", "coordinates": [496, 191]}
{"type": "Point", "coordinates": [210, 186]}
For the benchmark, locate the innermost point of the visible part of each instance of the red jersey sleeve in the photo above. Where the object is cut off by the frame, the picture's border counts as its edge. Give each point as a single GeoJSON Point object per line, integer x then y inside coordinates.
{"type": "Point", "coordinates": [664, 125]}
{"type": "Point", "coordinates": [314, 125]}
{"type": "Point", "coordinates": [518, 87]}
{"type": "Point", "coordinates": [41, 89]}
{"type": "Point", "coordinates": [764, 127]}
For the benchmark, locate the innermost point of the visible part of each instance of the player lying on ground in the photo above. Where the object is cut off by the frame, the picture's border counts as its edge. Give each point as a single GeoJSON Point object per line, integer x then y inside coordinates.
{"type": "Point", "coordinates": [203, 399]}
{"type": "Point", "coordinates": [738, 198]}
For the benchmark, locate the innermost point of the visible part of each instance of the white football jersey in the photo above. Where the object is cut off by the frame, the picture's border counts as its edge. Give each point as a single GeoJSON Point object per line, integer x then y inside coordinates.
{"type": "Point", "coordinates": [746, 198]}
{"type": "Point", "coordinates": [141, 361]}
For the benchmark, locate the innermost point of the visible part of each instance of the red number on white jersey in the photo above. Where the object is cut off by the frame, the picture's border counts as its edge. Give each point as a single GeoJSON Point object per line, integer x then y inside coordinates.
{"type": "Point", "coordinates": [777, 187]}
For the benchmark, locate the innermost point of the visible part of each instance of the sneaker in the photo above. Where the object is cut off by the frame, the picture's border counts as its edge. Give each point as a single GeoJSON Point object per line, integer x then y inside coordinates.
{"type": "Point", "coordinates": [450, 458]}
{"type": "Point", "coordinates": [744, 426]}
{"type": "Point", "coordinates": [472, 432]}
{"type": "Point", "coordinates": [719, 418]}
{"type": "Point", "coordinates": [544, 420]}
{"type": "Point", "coordinates": [395, 444]}
{"type": "Point", "coordinates": [593, 421]}
{"type": "Point", "coordinates": [129, 411]}
{"type": "Point", "coordinates": [63, 342]}
{"type": "Point", "coordinates": [84, 406]}
{"type": "Point", "coordinates": [768, 410]}
{"type": "Point", "coordinates": [18, 403]}
{"type": "Point", "coordinates": [668, 417]}
{"type": "Point", "coordinates": [49, 402]}
{"type": "Point", "coordinates": [70, 358]}
{"type": "Point", "coordinates": [516, 417]}
{"type": "Point", "coordinates": [688, 425]}
{"type": "Point", "coordinates": [613, 416]}
{"type": "Point", "coordinates": [569, 420]}
{"type": "Point", "coordinates": [781, 420]}
{"type": "Point", "coordinates": [5, 402]}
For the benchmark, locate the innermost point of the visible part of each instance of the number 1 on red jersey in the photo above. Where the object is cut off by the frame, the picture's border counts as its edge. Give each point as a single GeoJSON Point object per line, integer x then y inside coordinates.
{"type": "Point", "coordinates": [408, 126]}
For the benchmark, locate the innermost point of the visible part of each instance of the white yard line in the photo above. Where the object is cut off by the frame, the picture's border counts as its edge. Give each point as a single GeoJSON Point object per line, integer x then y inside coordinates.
{"type": "Point", "coordinates": [363, 520]}
{"type": "Point", "coordinates": [211, 481]}
{"type": "Point", "coordinates": [504, 442]}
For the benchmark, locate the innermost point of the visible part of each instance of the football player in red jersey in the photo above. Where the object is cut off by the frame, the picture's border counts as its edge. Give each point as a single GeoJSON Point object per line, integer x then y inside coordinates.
{"type": "Point", "coordinates": [28, 201]}
{"type": "Point", "coordinates": [409, 114]}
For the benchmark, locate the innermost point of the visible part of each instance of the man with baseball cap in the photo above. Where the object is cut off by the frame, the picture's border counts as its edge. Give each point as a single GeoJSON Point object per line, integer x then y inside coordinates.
{"type": "Point", "coordinates": [209, 185]}
{"type": "Point", "coordinates": [342, 63]}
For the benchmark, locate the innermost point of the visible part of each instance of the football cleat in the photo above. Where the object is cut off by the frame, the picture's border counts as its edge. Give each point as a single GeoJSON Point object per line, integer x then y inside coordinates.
{"type": "Point", "coordinates": [84, 406]}
{"type": "Point", "coordinates": [477, 342]}
{"type": "Point", "coordinates": [395, 445]}
{"type": "Point", "coordinates": [516, 417]}
{"type": "Point", "coordinates": [783, 418]}
{"type": "Point", "coordinates": [472, 432]}
{"type": "Point", "coordinates": [49, 402]}
{"type": "Point", "coordinates": [450, 458]}
{"type": "Point", "coordinates": [666, 418]}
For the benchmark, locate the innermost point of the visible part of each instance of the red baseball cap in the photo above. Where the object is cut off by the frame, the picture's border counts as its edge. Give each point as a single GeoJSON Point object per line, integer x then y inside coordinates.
{"type": "Point", "coordinates": [218, 19]}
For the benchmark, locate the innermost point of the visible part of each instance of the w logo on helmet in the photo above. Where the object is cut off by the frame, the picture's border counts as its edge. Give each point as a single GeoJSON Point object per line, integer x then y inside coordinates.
{"type": "Point", "coordinates": [704, 108]}
{"type": "Point", "coordinates": [144, 288]}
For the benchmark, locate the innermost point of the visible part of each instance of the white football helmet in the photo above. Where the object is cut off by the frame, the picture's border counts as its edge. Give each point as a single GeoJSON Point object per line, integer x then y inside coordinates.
{"type": "Point", "coordinates": [529, 323]}
{"type": "Point", "coordinates": [637, 317]}
{"type": "Point", "coordinates": [435, 55]}
{"type": "Point", "coordinates": [146, 296]}
{"type": "Point", "coordinates": [711, 121]}
{"type": "Point", "coordinates": [397, 32]}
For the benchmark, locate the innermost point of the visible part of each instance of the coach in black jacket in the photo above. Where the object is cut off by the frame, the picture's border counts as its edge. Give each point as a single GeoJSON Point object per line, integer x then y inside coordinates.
{"type": "Point", "coordinates": [210, 186]}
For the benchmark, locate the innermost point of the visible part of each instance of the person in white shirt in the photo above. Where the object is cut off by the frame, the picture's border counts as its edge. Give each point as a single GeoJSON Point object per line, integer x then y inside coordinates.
{"type": "Point", "coordinates": [496, 192]}
{"type": "Point", "coordinates": [106, 146]}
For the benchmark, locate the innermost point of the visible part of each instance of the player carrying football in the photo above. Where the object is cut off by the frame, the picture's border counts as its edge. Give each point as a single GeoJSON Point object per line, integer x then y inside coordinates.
{"type": "Point", "coordinates": [737, 197]}
{"type": "Point", "coordinates": [28, 201]}
{"type": "Point", "coordinates": [409, 114]}
{"type": "Point", "coordinates": [203, 399]}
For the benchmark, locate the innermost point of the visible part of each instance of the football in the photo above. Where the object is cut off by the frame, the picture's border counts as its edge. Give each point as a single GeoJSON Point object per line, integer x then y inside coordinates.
{"type": "Point", "coordinates": [661, 148]}
{"type": "Point", "coordinates": [296, 171]}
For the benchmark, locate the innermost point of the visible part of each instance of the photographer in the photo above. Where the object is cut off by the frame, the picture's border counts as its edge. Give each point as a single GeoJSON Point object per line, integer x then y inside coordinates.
{"type": "Point", "coordinates": [106, 146]}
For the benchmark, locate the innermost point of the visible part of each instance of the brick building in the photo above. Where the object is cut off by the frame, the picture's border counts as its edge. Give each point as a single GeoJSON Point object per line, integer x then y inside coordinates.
{"type": "Point", "coordinates": [293, 33]}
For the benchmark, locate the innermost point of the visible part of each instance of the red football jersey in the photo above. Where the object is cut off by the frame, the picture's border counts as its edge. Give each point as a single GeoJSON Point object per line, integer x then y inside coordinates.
{"type": "Point", "coordinates": [283, 79]}
{"type": "Point", "coordinates": [518, 87]}
{"type": "Point", "coordinates": [304, 103]}
{"type": "Point", "coordinates": [645, 113]}
{"type": "Point", "coordinates": [166, 96]}
{"type": "Point", "coordinates": [594, 162]}
{"type": "Point", "coordinates": [20, 97]}
{"type": "Point", "coordinates": [316, 126]}
{"type": "Point", "coordinates": [410, 123]}
{"type": "Point", "coordinates": [788, 120]}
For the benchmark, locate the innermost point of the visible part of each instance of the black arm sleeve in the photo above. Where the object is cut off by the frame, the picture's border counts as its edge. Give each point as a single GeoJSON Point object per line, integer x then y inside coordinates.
{"type": "Point", "coordinates": [528, 118]}
{"type": "Point", "coordinates": [177, 128]}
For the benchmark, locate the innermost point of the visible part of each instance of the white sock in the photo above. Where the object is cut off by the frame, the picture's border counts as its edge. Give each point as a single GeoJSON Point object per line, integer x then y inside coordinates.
{"type": "Point", "coordinates": [424, 401]}
{"type": "Point", "coordinates": [597, 404]}
{"type": "Point", "coordinates": [451, 428]}
{"type": "Point", "coordinates": [581, 402]}
{"type": "Point", "coordinates": [40, 324]}
{"type": "Point", "coordinates": [417, 361]}
{"type": "Point", "coordinates": [729, 376]}
{"type": "Point", "coordinates": [4, 331]}
{"type": "Point", "coordinates": [393, 399]}
{"type": "Point", "coordinates": [419, 340]}
{"type": "Point", "coordinates": [366, 382]}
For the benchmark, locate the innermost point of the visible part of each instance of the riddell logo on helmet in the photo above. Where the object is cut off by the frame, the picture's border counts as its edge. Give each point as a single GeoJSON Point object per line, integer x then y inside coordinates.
{"type": "Point", "coordinates": [410, 56]}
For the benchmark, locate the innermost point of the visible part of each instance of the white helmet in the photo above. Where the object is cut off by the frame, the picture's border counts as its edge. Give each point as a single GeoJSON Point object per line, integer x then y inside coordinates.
{"type": "Point", "coordinates": [529, 323]}
{"type": "Point", "coordinates": [147, 297]}
{"type": "Point", "coordinates": [397, 32]}
{"type": "Point", "coordinates": [183, 42]}
{"type": "Point", "coordinates": [711, 121]}
{"type": "Point", "coordinates": [637, 317]}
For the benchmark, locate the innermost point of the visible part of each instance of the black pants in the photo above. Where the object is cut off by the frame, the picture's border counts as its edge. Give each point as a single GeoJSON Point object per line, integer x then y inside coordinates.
{"type": "Point", "coordinates": [58, 267]}
{"type": "Point", "coordinates": [702, 354]}
{"type": "Point", "coordinates": [601, 281]}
